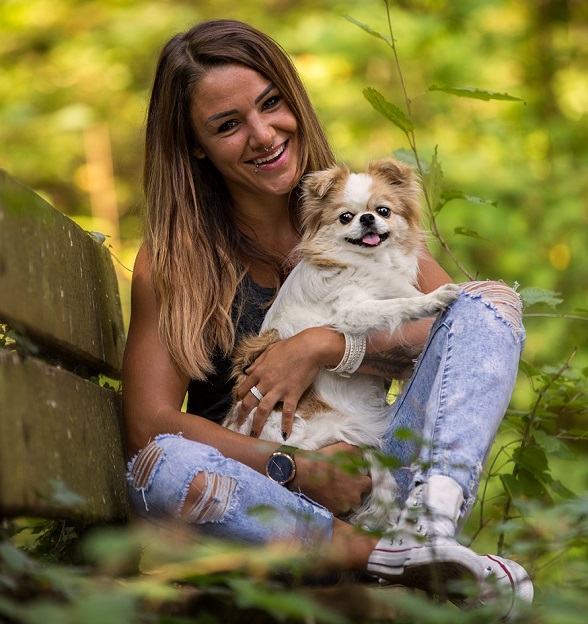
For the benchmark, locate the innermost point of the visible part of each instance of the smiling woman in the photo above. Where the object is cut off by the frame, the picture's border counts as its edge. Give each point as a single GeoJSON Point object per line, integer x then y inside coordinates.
{"type": "Point", "coordinates": [245, 127]}
{"type": "Point", "coordinates": [230, 136]}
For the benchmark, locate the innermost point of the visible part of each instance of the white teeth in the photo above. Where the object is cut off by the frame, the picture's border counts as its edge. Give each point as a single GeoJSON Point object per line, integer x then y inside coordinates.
{"type": "Point", "coordinates": [259, 161]}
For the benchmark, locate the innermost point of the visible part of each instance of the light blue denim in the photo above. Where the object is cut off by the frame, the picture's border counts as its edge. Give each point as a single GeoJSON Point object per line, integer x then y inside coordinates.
{"type": "Point", "coordinates": [452, 405]}
{"type": "Point", "coordinates": [459, 391]}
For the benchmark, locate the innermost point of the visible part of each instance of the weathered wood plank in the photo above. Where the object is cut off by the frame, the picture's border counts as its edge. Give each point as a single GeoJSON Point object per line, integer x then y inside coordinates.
{"type": "Point", "coordinates": [57, 283]}
{"type": "Point", "coordinates": [59, 430]}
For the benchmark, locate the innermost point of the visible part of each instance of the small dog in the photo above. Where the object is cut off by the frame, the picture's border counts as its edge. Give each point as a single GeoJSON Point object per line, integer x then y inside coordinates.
{"type": "Point", "coordinates": [357, 274]}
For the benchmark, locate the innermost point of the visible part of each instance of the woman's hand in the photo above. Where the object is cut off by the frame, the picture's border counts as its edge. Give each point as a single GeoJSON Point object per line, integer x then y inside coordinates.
{"type": "Point", "coordinates": [284, 371]}
{"type": "Point", "coordinates": [327, 483]}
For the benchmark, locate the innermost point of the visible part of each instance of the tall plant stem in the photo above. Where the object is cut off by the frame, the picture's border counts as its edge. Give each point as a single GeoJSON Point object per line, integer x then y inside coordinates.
{"type": "Point", "coordinates": [410, 135]}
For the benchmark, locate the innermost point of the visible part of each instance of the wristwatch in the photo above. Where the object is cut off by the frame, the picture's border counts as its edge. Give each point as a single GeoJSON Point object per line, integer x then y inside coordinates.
{"type": "Point", "coordinates": [281, 466]}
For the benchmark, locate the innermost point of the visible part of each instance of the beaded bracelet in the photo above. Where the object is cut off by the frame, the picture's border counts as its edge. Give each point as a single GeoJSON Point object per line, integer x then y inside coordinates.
{"type": "Point", "coordinates": [353, 356]}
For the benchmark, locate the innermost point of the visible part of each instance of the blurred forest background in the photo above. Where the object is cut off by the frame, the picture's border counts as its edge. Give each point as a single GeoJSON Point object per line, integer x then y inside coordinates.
{"type": "Point", "coordinates": [76, 74]}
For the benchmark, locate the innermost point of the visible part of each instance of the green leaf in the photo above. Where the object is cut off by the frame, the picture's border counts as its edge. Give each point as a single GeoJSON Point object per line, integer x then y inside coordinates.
{"type": "Point", "coordinates": [531, 458]}
{"type": "Point", "coordinates": [408, 157]}
{"type": "Point", "coordinates": [280, 604]}
{"type": "Point", "coordinates": [476, 94]}
{"type": "Point", "coordinates": [511, 485]}
{"type": "Point", "coordinates": [529, 369]}
{"type": "Point", "coordinates": [98, 237]}
{"type": "Point", "coordinates": [451, 194]}
{"type": "Point", "coordinates": [532, 296]}
{"type": "Point", "coordinates": [534, 486]}
{"type": "Point", "coordinates": [368, 29]}
{"type": "Point", "coordinates": [13, 558]}
{"type": "Point", "coordinates": [388, 110]}
{"type": "Point", "coordinates": [557, 487]}
{"type": "Point", "coordinates": [467, 232]}
{"type": "Point", "coordinates": [434, 183]}
{"type": "Point", "coordinates": [553, 446]}
{"type": "Point", "coordinates": [62, 495]}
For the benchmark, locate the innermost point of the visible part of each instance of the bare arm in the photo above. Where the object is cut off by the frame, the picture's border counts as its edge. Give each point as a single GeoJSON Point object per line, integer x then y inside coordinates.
{"type": "Point", "coordinates": [153, 393]}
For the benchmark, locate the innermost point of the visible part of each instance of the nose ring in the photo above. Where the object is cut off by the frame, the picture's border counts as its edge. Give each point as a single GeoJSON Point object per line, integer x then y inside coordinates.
{"type": "Point", "coordinates": [271, 146]}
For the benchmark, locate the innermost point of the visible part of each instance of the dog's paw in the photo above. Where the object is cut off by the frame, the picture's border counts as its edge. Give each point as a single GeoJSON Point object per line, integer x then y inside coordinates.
{"type": "Point", "coordinates": [440, 298]}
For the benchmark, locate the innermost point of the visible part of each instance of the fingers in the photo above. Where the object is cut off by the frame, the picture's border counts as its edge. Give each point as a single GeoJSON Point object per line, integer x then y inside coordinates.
{"type": "Point", "coordinates": [263, 407]}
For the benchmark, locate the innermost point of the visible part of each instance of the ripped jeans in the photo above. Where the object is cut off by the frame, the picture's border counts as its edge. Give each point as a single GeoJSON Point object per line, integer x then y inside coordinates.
{"type": "Point", "coordinates": [452, 405]}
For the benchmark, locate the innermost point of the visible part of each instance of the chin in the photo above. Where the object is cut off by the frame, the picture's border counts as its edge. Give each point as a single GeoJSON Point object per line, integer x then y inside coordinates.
{"type": "Point", "coordinates": [357, 274]}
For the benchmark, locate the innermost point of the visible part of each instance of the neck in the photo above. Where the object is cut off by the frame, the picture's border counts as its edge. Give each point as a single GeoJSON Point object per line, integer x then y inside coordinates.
{"type": "Point", "coordinates": [266, 220]}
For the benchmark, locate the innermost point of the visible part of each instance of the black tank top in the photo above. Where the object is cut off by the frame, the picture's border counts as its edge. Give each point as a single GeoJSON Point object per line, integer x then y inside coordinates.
{"type": "Point", "coordinates": [212, 398]}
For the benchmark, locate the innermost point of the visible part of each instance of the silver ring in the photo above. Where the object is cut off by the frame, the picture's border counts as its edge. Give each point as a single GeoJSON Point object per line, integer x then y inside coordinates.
{"type": "Point", "coordinates": [256, 393]}
{"type": "Point", "coordinates": [267, 149]}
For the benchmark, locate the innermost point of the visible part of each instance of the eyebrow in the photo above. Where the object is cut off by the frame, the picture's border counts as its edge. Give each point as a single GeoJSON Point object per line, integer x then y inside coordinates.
{"type": "Point", "coordinates": [233, 111]}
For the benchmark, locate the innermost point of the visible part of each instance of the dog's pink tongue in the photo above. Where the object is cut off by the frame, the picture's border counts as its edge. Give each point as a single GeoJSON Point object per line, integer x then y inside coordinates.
{"type": "Point", "coordinates": [370, 239]}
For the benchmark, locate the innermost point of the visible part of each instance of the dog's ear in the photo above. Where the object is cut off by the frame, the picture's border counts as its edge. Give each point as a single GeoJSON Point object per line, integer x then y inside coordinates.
{"type": "Point", "coordinates": [392, 170]}
{"type": "Point", "coordinates": [405, 184]}
{"type": "Point", "coordinates": [316, 185]}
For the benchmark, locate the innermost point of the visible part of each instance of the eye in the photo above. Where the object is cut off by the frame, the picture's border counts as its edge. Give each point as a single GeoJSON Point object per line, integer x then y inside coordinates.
{"type": "Point", "coordinates": [346, 217]}
{"type": "Point", "coordinates": [383, 211]}
{"type": "Point", "coordinates": [227, 126]}
{"type": "Point", "coordinates": [271, 102]}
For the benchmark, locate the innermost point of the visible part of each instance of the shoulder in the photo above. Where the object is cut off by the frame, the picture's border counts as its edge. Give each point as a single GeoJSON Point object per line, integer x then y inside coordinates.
{"type": "Point", "coordinates": [142, 265]}
{"type": "Point", "coordinates": [142, 289]}
{"type": "Point", "coordinates": [431, 274]}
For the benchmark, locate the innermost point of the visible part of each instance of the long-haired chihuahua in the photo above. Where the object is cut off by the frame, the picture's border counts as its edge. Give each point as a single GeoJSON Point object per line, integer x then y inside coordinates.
{"type": "Point", "coordinates": [357, 274]}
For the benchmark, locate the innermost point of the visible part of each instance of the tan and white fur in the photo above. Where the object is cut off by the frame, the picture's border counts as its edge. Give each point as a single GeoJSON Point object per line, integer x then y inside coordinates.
{"type": "Point", "coordinates": [357, 274]}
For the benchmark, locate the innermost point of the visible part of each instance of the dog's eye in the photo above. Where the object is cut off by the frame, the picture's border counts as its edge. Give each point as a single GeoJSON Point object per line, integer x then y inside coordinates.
{"type": "Point", "coordinates": [383, 211]}
{"type": "Point", "coordinates": [346, 217]}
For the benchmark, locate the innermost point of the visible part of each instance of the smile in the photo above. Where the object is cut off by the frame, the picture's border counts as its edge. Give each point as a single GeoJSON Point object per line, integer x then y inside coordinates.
{"type": "Point", "coordinates": [370, 239]}
{"type": "Point", "coordinates": [271, 157]}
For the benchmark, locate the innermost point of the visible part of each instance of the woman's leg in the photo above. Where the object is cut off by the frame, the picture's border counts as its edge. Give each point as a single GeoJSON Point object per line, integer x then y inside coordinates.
{"type": "Point", "coordinates": [453, 405]}
{"type": "Point", "coordinates": [460, 389]}
{"type": "Point", "coordinates": [173, 477]}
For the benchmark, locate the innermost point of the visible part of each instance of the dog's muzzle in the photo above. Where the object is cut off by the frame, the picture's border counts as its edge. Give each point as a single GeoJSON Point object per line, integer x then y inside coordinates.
{"type": "Point", "coordinates": [370, 238]}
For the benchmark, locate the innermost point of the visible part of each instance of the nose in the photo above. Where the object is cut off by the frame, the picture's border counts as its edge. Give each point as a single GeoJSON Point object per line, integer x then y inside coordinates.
{"type": "Point", "coordinates": [367, 218]}
{"type": "Point", "coordinates": [261, 133]}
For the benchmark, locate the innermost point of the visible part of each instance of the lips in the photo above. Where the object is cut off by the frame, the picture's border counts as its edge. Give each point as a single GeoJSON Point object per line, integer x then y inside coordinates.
{"type": "Point", "coordinates": [275, 154]}
{"type": "Point", "coordinates": [268, 159]}
{"type": "Point", "coordinates": [369, 239]}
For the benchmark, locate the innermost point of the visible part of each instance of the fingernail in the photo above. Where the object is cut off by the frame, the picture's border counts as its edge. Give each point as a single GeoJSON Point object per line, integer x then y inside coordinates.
{"type": "Point", "coordinates": [253, 434]}
{"type": "Point", "coordinates": [284, 436]}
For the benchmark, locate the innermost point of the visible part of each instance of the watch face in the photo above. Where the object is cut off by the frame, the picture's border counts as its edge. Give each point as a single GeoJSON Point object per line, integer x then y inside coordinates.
{"type": "Point", "coordinates": [281, 468]}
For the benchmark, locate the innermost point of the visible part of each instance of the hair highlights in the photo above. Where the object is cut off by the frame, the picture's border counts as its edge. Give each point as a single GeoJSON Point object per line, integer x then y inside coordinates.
{"type": "Point", "coordinates": [197, 252]}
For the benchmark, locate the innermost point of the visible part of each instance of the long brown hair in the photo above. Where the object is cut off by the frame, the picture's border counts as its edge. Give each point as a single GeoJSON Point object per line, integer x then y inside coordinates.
{"type": "Point", "coordinates": [197, 253]}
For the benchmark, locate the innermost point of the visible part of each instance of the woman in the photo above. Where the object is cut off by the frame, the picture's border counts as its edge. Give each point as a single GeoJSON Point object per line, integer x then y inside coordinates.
{"type": "Point", "coordinates": [230, 133]}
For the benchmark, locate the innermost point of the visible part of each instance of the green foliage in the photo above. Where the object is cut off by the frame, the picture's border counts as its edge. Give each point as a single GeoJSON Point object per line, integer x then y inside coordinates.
{"type": "Point", "coordinates": [523, 151]}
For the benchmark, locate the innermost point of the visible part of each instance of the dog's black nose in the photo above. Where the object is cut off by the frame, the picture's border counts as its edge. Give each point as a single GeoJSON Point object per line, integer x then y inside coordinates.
{"type": "Point", "coordinates": [367, 218]}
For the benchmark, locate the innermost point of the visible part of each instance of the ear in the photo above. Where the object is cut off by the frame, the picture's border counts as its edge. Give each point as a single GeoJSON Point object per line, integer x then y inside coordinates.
{"type": "Point", "coordinates": [198, 151]}
{"type": "Point", "coordinates": [393, 171]}
{"type": "Point", "coordinates": [316, 185]}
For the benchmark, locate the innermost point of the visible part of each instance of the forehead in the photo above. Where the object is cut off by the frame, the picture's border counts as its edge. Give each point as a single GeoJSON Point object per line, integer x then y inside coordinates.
{"type": "Point", "coordinates": [358, 190]}
{"type": "Point", "coordinates": [226, 88]}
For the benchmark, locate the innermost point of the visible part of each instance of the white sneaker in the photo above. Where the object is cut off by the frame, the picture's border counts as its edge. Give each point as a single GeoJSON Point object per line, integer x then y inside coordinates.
{"type": "Point", "coordinates": [424, 554]}
{"type": "Point", "coordinates": [437, 567]}
{"type": "Point", "coordinates": [507, 585]}
{"type": "Point", "coordinates": [433, 565]}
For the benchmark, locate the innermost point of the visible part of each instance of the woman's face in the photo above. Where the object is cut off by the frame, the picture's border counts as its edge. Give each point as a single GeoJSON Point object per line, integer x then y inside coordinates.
{"type": "Point", "coordinates": [237, 115]}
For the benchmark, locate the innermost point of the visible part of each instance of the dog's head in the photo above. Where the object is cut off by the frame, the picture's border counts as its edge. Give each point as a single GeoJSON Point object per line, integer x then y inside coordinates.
{"type": "Point", "coordinates": [362, 211]}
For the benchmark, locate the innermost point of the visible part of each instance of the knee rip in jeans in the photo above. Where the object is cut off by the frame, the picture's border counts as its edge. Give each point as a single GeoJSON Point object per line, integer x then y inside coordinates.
{"type": "Point", "coordinates": [208, 498]}
{"type": "Point", "coordinates": [208, 495]}
{"type": "Point", "coordinates": [144, 466]}
{"type": "Point", "coordinates": [506, 300]}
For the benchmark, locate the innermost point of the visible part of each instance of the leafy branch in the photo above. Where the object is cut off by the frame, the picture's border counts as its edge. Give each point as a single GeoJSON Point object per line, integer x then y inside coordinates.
{"type": "Point", "coordinates": [432, 175]}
